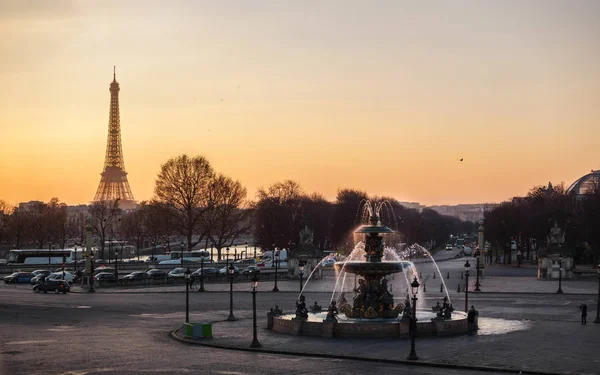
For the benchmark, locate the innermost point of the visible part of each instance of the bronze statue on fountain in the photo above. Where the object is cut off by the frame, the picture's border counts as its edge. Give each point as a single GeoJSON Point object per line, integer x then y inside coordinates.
{"type": "Point", "coordinates": [373, 298]}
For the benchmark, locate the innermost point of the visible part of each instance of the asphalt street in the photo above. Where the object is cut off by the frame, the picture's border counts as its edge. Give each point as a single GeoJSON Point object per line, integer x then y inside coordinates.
{"type": "Point", "coordinates": [125, 331]}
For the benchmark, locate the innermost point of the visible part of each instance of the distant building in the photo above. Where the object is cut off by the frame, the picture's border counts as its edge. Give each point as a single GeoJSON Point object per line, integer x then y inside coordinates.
{"type": "Point", "coordinates": [414, 205]}
{"type": "Point", "coordinates": [585, 184]}
{"type": "Point", "coordinates": [465, 212]}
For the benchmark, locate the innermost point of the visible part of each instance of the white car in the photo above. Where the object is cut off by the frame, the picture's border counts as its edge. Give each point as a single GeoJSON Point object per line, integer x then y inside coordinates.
{"type": "Point", "coordinates": [68, 276]}
{"type": "Point", "coordinates": [177, 272]}
{"type": "Point", "coordinates": [328, 263]}
{"type": "Point", "coordinates": [449, 247]}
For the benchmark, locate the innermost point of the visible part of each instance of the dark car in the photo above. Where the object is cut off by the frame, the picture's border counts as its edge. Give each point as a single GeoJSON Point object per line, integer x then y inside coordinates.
{"type": "Point", "coordinates": [208, 271]}
{"type": "Point", "coordinates": [250, 270]}
{"type": "Point", "coordinates": [18, 277]}
{"type": "Point", "coordinates": [137, 275]}
{"type": "Point", "coordinates": [156, 274]}
{"type": "Point", "coordinates": [40, 272]}
{"type": "Point", "coordinates": [104, 269]}
{"type": "Point", "coordinates": [55, 286]}
{"type": "Point", "coordinates": [105, 276]}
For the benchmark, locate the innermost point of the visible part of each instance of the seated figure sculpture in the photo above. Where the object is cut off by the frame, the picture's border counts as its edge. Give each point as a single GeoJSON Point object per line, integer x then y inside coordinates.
{"type": "Point", "coordinates": [315, 308]}
{"type": "Point", "coordinates": [332, 313]}
{"type": "Point", "coordinates": [301, 311]}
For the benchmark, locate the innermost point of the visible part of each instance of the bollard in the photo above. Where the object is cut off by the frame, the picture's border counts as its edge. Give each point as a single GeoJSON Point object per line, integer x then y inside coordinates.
{"type": "Point", "coordinates": [434, 275]}
{"type": "Point", "coordinates": [458, 288]}
{"type": "Point", "coordinates": [424, 287]}
{"type": "Point", "coordinates": [420, 275]}
{"type": "Point", "coordinates": [448, 275]}
{"type": "Point", "coordinates": [442, 288]}
{"type": "Point", "coordinates": [461, 275]}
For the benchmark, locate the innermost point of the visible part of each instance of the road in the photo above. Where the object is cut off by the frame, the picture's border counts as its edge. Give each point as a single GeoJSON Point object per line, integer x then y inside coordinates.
{"type": "Point", "coordinates": [125, 332]}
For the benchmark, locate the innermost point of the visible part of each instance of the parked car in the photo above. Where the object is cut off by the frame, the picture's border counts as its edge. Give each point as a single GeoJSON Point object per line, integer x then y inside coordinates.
{"type": "Point", "coordinates": [207, 271]}
{"type": "Point", "coordinates": [449, 247]}
{"type": "Point", "coordinates": [67, 276]}
{"type": "Point", "coordinates": [55, 286]}
{"type": "Point", "coordinates": [137, 275]}
{"type": "Point", "coordinates": [104, 269]}
{"type": "Point", "coordinates": [177, 272]}
{"type": "Point", "coordinates": [60, 269]}
{"type": "Point", "coordinates": [250, 270]}
{"type": "Point", "coordinates": [105, 276]}
{"type": "Point", "coordinates": [156, 273]}
{"type": "Point", "coordinates": [39, 276]}
{"type": "Point", "coordinates": [225, 270]}
{"type": "Point", "coordinates": [328, 263]}
{"type": "Point", "coordinates": [39, 272]}
{"type": "Point", "coordinates": [18, 277]}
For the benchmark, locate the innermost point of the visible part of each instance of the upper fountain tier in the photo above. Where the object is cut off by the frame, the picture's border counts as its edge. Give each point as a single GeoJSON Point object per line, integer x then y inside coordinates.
{"type": "Point", "coordinates": [374, 226]}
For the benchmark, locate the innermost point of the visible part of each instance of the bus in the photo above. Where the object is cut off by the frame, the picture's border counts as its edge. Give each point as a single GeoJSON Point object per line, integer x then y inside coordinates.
{"type": "Point", "coordinates": [191, 256]}
{"type": "Point", "coordinates": [43, 256]}
{"type": "Point", "coordinates": [460, 243]}
{"type": "Point", "coordinates": [125, 250]}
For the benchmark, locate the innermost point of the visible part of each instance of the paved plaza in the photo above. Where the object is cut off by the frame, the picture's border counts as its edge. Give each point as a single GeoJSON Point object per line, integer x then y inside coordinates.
{"type": "Point", "coordinates": [525, 326]}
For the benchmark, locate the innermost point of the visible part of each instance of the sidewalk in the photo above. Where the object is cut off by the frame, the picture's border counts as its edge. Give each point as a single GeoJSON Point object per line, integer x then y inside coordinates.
{"type": "Point", "coordinates": [500, 345]}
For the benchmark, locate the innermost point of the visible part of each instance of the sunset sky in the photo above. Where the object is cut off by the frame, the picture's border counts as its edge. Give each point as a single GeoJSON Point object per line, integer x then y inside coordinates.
{"type": "Point", "coordinates": [383, 96]}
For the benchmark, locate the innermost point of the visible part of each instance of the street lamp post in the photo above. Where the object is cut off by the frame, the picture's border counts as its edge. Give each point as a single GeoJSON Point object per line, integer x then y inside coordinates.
{"type": "Point", "coordinates": [477, 285]}
{"type": "Point", "coordinates": [597, 320]}
{"type": "Point", "coordinates": [231, 272]}
{"type": "Point", "coordinates": [49, 253]}
{"type": "Point", "coordinates": [255, 343]}
{"type": "Point", "coordinates": [75, 258]}
{"type": "Point", "coordinates": [560, 260]}
{"type": "Point", "coordinates": [254, 252]}
{"type": "Point", "coordinates": [91, 290]}
{"type": "Point", "coordinates": [201, 289]}
{"type": "Point", "coordinates": [181, 257]}
{"type": "Point", "coordinates": [187, 295]}
{"type": "Point", "coordinates": [301, 265]}
{"type": "Point", "coordinates": [153, 247]}
{"type": "Point", "coordinates": [276, 260]}
{"type": "Point", "coordinates": [116, 264]}
{"type": "Point", "coordinates": [415, 289]}
{"type": "Point", "coordinates": [227, 257]}
{"type": "Point", "coordinates": [467, 267]}
{"type": "Point", "coordinates": [246, 254]}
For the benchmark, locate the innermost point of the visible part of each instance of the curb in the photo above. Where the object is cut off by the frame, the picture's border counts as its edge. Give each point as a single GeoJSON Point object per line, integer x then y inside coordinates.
{"type": "Point", "coordinates": [173, 334]}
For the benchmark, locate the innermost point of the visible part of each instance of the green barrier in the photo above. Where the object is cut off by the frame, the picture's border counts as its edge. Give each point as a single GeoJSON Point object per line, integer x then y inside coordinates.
{"type": "Point", "coordinates": [197, 330]}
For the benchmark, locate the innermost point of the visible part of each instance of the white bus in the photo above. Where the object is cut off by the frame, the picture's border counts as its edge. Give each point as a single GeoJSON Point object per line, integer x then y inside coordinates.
{"type": "Point", "coordinates": [190, 256]}
{"type": "Point", "coordinates": [43, 256]}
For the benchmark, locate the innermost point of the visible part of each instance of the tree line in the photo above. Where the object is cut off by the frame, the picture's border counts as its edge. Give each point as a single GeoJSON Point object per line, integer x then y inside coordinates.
{"type": "Point", "coordinates": [193, 202]}
{"type": "Point", "coordinates": [527, 221]}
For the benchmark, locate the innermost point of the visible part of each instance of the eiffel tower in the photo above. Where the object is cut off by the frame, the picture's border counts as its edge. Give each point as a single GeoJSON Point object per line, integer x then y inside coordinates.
{"type": "Point", "coordinates": [114, 184]}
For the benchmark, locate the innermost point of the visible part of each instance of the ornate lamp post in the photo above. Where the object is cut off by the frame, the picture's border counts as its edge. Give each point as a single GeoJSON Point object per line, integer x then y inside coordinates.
{"type": "Point", "coordinates": [201, 289]}
{"type": "Point", "coordinates": [91, 290]}
{"type": "Point", "coordinates": [187, 295]}
{"type": "Point", "coordinates": [467, 267]}
{"type": "Point", "coordinates": [49, 253]}
{"type": "Point", "coordinates": [276, 260]}
{"type": "Point", "coordinates": [116, 262]}
{"type": "Point", "coordinates": [477, 285]}
{"type": "Point", "coordinates": [153, 247]}
{"type": "Point", "coordinates": [227, 257]}
{"type": "Point", "coordinates": [597, 320]}
{"type": "Point", "coordinates": [255, 343]}
{"type": "Point", "coordinates": [75, 258]}
{"type": "Point", "coordinates": [255, 252]}
{"type": "Point", "coordinates": [301, 265]}
{"type": "Point", "coordinates": [415, 289]}
{"type": "Point", "coordinates": [560, 260]}
{"type": "Point", "coordinates": [182, 249]}
{"type": "Point", "coordinates": [246, 254]}
{"type": "Point", "coordinates": [231, 272]}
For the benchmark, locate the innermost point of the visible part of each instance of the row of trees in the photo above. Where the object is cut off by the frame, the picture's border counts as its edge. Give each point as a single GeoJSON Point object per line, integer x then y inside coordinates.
{"type": "Point", "coordinates": [283, 209]}
{"type": "Point", "coordinates": [193, 202]}
{"type": "Point", "coordinates": [527, 221]}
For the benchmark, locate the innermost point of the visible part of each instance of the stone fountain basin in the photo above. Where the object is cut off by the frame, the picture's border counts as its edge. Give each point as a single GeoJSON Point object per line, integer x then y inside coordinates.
{"type": "Point", "coordinates": [369, 269]}
{"type": "Point", "coordinates": [348, 328]}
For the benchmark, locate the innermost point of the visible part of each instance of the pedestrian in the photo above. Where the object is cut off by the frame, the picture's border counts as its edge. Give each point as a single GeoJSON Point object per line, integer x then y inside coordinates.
{"type": "Point", "coordinates": [583, 309]}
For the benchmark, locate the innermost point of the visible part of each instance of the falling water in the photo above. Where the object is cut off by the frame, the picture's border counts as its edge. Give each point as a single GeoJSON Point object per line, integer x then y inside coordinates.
{"type": "Point", "coordinates": [320, 264]}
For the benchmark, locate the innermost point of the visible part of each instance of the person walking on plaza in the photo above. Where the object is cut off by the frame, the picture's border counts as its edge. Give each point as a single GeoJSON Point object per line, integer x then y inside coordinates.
{"type": "Point", "coordinates": [471, 316]}
{"type": "Point", "coordinates": [583, 309]}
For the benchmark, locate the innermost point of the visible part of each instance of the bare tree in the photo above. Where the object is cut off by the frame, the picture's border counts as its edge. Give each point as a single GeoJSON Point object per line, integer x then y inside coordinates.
{"type": "Point", "coordinates": [183, 184]}
{"type": "Point", "coordinates": [18, 225]}
{"type": "Point", "coordinates": [104, 215]}
{"type": "Point", "coordinates": [5, 214]}
{"type": "Point", "coordinates": [132, 228]}
{"type": "Point", "coordinates": [226, 218]}
{"type": "Point", "coordinates": [40, 223]}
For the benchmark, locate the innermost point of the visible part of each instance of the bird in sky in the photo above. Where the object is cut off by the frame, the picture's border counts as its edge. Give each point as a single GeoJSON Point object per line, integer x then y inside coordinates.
{"type": "Point", "coordinates": [461, 159]}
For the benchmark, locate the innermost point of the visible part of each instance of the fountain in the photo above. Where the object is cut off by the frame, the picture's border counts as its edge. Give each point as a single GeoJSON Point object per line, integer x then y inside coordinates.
{"type": "Point", "coordinates": [372, 312]}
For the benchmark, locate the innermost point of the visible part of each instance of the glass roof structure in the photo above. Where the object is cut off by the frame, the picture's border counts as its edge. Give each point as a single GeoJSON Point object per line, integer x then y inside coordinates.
{"type": "Point", "coordinates": [586, 184]}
